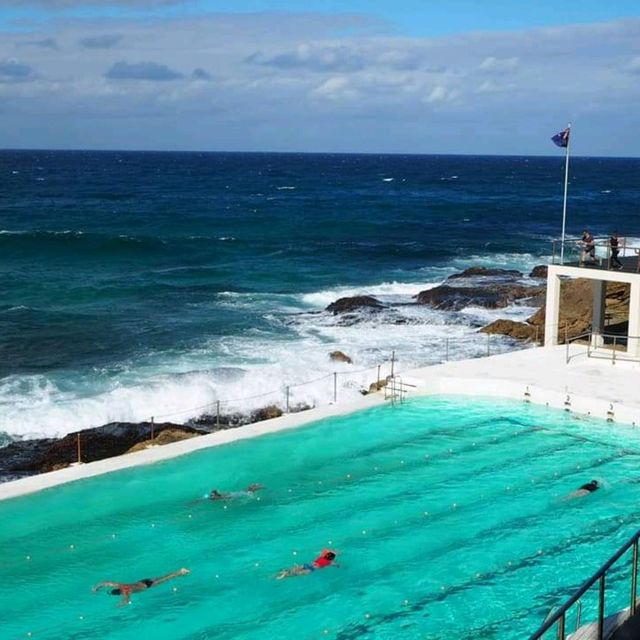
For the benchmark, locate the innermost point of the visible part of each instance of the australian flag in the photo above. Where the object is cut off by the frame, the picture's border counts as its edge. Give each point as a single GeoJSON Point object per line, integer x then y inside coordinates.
{"type": "Point", "coordinates": [562, 138]}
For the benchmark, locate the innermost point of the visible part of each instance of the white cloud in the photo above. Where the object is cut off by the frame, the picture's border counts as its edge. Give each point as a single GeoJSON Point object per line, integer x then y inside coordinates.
{"type": "Point", "coordinates": [273, 73]}
{"type": "Point", "coordinates": [492, 64]}
{"type": "Point", "coordinates": [336, 88]}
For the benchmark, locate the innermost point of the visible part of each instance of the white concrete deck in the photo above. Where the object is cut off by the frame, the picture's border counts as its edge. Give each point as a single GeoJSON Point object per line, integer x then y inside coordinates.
{"type": "Point", "coordinates": [590, 386]}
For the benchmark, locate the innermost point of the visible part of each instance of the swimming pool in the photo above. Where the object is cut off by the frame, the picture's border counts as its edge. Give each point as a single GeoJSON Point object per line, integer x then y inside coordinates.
{"type": "Point", "coordinates": [448, 513]}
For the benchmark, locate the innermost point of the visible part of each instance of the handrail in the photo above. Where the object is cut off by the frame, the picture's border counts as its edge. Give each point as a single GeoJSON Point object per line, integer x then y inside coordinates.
{"type": "Point", "coordinates": [592, 347]}
{"type": "Point", "coordinates": [598, 576]}
{"type": "Point", "coordinates": [576, 245]}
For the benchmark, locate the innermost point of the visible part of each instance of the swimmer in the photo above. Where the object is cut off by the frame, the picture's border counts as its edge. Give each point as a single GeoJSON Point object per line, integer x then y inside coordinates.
{"type": "Point", "coordinates": [125, 589]}
{"type": "Point", "coordinates": [325, 559]}
{"type": "Point", "coordinates": [231, 495]}
{"type": "Point", "coordinates": [584, 490]}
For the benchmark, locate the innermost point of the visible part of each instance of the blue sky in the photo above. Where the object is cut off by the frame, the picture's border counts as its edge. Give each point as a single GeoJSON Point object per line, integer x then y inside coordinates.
{"type": "Point", "coordinates": [417, 76]}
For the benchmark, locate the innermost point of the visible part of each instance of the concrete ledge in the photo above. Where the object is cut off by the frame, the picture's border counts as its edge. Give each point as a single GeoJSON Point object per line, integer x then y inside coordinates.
{"type": "Point", "coordinates": [586, 386]}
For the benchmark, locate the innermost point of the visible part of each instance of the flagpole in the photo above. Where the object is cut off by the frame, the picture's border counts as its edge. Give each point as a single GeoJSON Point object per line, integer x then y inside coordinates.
{"type": "Point", "coordinates": [564, 203]}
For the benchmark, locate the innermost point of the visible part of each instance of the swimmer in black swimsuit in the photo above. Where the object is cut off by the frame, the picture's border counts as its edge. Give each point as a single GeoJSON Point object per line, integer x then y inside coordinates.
{"type": "Point", "coordinates": [584, 490]}
{"type": "Point", "coordinates": [125, 589]}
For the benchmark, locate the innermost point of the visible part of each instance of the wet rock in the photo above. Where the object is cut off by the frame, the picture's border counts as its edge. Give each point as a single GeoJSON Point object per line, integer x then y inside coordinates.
{"type": "Point", "coordinates": [494, 296]}
{"type": "Point", "coordinates": [37, 456]}
{"type": "Point", "coordinates": [540, 271]}
{"type": "Point", "coordinates": [354, 303]}
{"type": "Point", "coordinates": [266, 413]}
{"type": "Point", "coordinates": [339, 356]}
{"type": "Point", "coordinates": [474, 272]}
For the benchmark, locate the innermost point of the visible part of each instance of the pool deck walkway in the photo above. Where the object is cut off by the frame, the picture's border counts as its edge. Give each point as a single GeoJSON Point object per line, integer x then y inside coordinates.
{"type": "Point", "coordinates": [540, 375]}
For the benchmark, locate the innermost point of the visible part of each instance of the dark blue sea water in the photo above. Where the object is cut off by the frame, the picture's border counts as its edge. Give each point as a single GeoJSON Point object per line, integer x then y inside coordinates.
{"type": "Point", "coordinates": [138, 284]}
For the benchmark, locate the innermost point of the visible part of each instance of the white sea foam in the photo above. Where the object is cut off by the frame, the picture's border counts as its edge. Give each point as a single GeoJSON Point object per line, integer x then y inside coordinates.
{"type": "Point", "coordinates": [286, 188]}
{"type": "Point", "coordinates": [177, 387]}
{"type": "Point", "coordinates": [322, 299]}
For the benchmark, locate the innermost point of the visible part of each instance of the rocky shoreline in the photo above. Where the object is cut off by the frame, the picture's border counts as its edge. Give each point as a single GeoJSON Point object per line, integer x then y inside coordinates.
{"type": "Point", "coordinates": [477, 286]}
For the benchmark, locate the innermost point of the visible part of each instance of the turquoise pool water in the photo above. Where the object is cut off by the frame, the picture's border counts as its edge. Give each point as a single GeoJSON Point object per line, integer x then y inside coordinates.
{"type": "Point", "coordinates": [448, 513]}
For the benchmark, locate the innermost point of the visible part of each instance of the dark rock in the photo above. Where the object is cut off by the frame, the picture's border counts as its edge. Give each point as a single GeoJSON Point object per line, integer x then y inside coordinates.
{"type": "Point", "coordinates": [474, 272]}
{"type": "Point", "coordinates": [344, 305]}
{"type": "Point", "coordinates": [539, 272]}
{"type": "Point", "coordinates": [492, 296]}
{"type": "Point", "coordinates": [110, 440]}
{"type": "Point", "coordinates": [339, 356]}
{"type": "Point", "coordinates": [16, 459]}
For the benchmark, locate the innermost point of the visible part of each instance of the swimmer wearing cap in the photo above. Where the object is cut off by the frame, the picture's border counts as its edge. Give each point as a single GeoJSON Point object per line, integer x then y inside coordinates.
{"type": "Point", "coordinates": [325, 559]}
{"type": "Point", "coordinates": [125, 589]}
{"type": "Point", "coordinates": [584, 490]}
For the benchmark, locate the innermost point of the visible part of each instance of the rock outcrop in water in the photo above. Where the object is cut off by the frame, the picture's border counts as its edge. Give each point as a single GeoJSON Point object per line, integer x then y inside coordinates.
{"type": "Point", "coordinates": [339, 356]}
{"type": "Point", "coordinates": [483, 287]}
{"type": "Point", "coordinates": [354, 303]}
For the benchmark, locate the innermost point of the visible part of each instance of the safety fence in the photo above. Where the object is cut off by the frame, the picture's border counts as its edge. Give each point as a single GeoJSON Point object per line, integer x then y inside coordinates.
{"type": "Point", "coordinates": [572, 252]}
{"type": "Point", "coordinates": [606, 346]}
{"type": "Point", "coordinates": [604, 625]}
{"type": "Point", "coordinates": [285, 399]}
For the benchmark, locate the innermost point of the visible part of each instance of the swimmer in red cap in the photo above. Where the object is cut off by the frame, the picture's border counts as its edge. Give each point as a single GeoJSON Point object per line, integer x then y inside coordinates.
{"type": "Point", "coordinates": [325, 559]}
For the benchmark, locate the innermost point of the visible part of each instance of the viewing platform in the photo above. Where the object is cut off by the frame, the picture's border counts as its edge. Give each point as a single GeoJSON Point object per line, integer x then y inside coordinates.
{"type": "Point", "coordinates": [600, 264]}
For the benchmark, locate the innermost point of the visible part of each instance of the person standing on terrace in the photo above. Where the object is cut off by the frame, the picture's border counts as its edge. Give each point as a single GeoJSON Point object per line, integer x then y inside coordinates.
{"type": "Point", "coordinates": [614, 243]}
{"type": "Point", "coordinates": [588, 248]}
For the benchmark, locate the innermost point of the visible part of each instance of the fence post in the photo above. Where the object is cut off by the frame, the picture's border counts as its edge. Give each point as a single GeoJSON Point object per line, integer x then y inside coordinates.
{"type": "Point", "coordinates": [613, 351]}
{"type": "Point", "coordinates": [378, 380]}
{"type": "Point", "coordinates": [335, 386]}
{"type": "Point", "coordinates": [78, 445]}
{"type": "Point", "coordinates": [561, 627]}
{"type": "Point", "coordinates": [634, 577]}
{"type": "Point", "coordinates": [601, 608]}
{"type": "Point", "coordinates": [488, 344]}
{"type": "Point", "coordinates": [393, 360]}
{"type": "Point", "coordinates": [287, 390]}
{"type": "Point", "coordinates": [446, 349]}
{"type": "Point", "coordinates": [217, 414]}
{"type": "Point", "coordinates": [152, 428]}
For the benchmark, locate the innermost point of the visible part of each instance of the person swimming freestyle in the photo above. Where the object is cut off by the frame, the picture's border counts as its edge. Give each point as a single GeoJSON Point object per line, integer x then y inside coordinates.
{"type": "Point", "coordinates": [249, 492]}
{"type": "Point", "coordinates": [325, 559]}
{"type": "Point", "coordinates": [584, 490]}
{"type": "Point", "coordinates": [125, 589]}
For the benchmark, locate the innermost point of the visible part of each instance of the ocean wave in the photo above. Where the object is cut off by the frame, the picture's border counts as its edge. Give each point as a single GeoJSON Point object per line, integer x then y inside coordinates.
{"type": "Point", "coordinates": [39, 405]}
{"type": "Point", "coordinates": [384, 291]}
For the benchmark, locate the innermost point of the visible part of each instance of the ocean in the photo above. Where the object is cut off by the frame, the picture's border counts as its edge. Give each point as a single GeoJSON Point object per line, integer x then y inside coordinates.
{"type": "Point", "coordinates": [154, 284]}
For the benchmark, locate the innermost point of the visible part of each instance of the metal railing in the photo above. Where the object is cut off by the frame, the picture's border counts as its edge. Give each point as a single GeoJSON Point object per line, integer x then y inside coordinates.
{"type": "Point", "coordinates": [606, 346]}
{"type": "Point", "coordinates": [283, 399]}
{"type": "Point", "coordinates": [559, 618]}
{"type": "Point", "coordinates": [603, 255]}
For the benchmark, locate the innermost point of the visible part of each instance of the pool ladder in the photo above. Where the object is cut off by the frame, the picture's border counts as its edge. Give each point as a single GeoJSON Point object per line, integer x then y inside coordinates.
{"type": "Point", "coordinates": [396, 390]}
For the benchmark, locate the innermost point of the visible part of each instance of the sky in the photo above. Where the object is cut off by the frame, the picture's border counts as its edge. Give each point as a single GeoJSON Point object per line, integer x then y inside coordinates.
{"type": "Point", "coordinates": [372, 76]}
